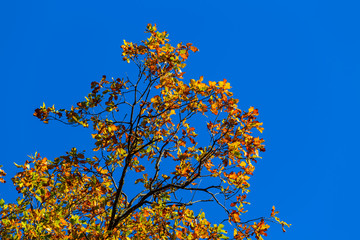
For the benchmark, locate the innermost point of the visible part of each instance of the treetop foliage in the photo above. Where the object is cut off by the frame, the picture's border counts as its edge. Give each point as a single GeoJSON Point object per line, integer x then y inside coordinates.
{"type": "Point", "coordinates": [149, 167]}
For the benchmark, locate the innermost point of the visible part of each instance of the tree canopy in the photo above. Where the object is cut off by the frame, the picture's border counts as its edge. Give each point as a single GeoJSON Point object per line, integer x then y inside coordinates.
{"type": "Point", "coordinates": [149, 167]}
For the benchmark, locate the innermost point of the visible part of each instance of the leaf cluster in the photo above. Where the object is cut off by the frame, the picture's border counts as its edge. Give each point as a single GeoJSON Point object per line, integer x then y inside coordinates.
{"type": "Point", "coordinates": [145, 137]}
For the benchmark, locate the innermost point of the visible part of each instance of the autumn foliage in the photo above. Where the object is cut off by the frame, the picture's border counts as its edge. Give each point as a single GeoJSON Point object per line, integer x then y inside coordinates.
{"type": "Point", "coordinates": [149, 168]}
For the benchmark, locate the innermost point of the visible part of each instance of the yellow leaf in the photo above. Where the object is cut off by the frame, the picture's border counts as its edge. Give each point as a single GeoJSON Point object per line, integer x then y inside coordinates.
{"type": "Point", "coordinates": [113, 128]}
{"type": "Point", "coordinates": [212, 84]}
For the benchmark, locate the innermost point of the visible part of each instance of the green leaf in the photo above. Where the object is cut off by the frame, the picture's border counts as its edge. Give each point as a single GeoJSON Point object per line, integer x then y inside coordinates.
{"type": "Point", "coordinates": [38, 198]}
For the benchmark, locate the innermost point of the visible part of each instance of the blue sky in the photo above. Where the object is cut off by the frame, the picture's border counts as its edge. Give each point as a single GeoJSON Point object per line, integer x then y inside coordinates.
{"type": "Point", "coordinates": [298, 62]}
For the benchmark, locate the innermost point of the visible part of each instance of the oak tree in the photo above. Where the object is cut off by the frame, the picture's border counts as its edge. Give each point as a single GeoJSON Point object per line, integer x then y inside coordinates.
{"type": "Point", "coordinates": [149, 168]}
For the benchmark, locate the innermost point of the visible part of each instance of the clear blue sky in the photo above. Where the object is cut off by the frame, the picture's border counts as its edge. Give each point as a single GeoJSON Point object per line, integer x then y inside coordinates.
{"type": "Point", "coordinates": [298, 62]}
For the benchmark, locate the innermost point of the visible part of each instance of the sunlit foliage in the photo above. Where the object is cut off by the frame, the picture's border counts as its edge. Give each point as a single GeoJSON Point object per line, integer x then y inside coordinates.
{"type": "Point", "coordinates": [146, 141]}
